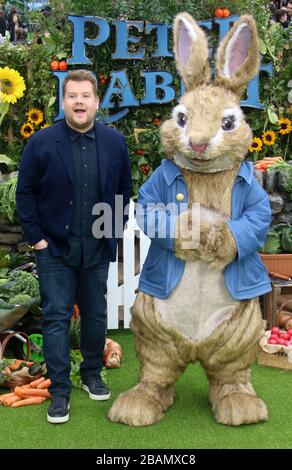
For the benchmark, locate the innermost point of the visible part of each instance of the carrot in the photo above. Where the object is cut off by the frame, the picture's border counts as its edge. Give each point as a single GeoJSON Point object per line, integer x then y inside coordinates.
{"type": "Point", "coordinates": [29, 363]}
{"type": "Point", "coordinates": [10, 400]}
{"type": "Point", "coordinates": [32, 392]}
{"type": "Point", "coordinates": [29, 401]}
{"type": "Point", "coordinates": [44, 384]}
{"type": "Point", "coordinates": [35, 383]}
{"type": "Point", "coordinates": [15, 364]}
{"type": "Point", "coordinates": [4, 396]}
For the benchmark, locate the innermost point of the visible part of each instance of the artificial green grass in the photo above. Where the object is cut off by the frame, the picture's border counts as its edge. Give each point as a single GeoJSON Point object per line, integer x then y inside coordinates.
{"type": "Point", "coordinates": [188, 424]}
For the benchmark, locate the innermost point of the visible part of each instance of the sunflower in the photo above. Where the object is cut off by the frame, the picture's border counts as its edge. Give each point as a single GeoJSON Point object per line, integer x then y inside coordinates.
{"type": "Point", "coordinates": [256, 145]}
{"type": "Point", "coordinates": [35, 116]}
{"type": "Point", "coordinates": [45, 125]}
{"type": "Point", "coordinates": [269, 137]}
{"type": "Point", "coordinates": [12, 85]}
{"type": "Point", "coordinates": [286, 125]}
{"type": "Point", "coordinates": [27, 130]}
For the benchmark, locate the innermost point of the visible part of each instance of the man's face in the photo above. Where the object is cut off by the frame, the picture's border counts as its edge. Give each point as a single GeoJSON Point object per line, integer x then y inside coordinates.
{"type": "Point", "coordinates": [80, 105]}
{"type": "Point", "coordinates": [289, 8]}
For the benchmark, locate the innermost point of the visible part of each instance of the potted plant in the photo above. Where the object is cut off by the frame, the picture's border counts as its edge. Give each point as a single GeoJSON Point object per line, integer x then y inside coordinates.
{"type": "Point", "coordinates": [277, 251]}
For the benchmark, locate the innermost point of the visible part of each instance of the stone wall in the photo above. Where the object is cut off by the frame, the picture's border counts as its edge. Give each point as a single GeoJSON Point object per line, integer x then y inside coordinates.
{"type": "Point", "coordinates": [281, 202]}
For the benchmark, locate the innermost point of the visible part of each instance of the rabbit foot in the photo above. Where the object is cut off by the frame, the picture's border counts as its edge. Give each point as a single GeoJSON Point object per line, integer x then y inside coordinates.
{"type": "Point", "coordinates": [137, 407]}
{"type": "Point", "coordinates": [240, 408]}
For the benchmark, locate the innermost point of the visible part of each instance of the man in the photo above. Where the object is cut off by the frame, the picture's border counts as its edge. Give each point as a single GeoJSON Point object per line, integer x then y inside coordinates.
{"type": "Point", "coordinates": [66, 169]}
{"type": "Point", "coordinates": [289, 12]}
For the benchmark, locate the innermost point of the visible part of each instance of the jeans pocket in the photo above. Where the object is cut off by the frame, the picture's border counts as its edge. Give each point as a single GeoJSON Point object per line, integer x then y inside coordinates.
{"type": "Point", "coordinates": [42, 252]}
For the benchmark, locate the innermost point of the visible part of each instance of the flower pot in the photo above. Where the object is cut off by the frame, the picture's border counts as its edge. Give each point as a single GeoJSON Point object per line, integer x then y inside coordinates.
{"type": "Point", "coordinates": [278, 263]}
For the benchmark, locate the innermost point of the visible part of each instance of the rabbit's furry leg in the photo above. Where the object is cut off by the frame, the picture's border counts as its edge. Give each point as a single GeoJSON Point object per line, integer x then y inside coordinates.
{"type": "Point", "coordinates": [142, 405]}
{"type": "Point", "coordinates": [236, 403]}
{"type": "Point", "coordinates": [160, 366]}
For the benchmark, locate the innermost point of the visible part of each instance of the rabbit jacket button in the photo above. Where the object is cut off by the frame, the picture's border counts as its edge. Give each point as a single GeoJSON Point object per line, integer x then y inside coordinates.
{"type": "Point", "coordinates": [179, 197]}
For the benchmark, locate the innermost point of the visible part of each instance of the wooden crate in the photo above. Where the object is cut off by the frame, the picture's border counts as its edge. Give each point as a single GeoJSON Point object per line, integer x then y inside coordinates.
{"type": "Point", "coordinates": [278, 263]}
{"type": "Point", "coordinates": [277, 360]}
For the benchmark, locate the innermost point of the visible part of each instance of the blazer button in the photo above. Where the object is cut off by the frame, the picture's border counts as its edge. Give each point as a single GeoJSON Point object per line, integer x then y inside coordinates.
{"type": "Point", "coordinates": [71, 203]}
{"type": "Point", "coordinates": [179, 197]}
{"type": "Point", "coordinates": [67, 227]}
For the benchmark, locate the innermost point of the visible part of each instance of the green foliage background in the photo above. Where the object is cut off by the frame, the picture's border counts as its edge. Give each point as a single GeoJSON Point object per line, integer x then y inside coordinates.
{"type": "Point", "coordinates": [33, 63]}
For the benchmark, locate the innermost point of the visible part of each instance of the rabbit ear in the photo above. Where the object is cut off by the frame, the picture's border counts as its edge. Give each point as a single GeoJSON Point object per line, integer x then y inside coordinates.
{"type": "Point", "coordinates": [237, 60]}
{"type": "Point", "coordinates": [191, 51]}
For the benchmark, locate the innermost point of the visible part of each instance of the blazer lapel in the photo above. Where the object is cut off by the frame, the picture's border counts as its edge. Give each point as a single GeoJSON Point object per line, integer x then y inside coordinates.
{"type": "Point", "coordinates": [102, 149]}
{"type": "Point", "coordinates": [64, 149]}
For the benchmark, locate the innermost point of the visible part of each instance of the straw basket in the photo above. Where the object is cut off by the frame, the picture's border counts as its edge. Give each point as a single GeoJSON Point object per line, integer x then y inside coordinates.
{"type": "Point", "coordinates": [274, 355]}
{"type": "Point", "coordinates": [276, 360]}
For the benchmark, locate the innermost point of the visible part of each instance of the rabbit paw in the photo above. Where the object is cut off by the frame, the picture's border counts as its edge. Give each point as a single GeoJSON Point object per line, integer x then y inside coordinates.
{"type": "Point", "coordinates": [208, 238]}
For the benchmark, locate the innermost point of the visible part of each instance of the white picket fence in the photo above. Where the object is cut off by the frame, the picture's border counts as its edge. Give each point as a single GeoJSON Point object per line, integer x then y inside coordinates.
{"type": "Point", "coordinates": [124, 295]}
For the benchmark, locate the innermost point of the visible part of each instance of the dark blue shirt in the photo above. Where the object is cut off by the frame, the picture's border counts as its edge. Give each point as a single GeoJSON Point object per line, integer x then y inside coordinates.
{"type": "Point", "coordinates": [85, 250]}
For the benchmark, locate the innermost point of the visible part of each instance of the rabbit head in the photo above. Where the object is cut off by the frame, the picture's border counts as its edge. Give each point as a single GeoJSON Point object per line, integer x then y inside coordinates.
{"type": "Point", "coordinates": [207, 131]}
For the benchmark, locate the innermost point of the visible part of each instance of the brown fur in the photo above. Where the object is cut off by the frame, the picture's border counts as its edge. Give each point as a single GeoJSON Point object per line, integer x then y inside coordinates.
{"type": "Point", "coordinates": [197, 71]}
{"type": "Point", "coordinates": [238, 83]}
{"type": "Point", "coordinates": [213, 192]}
{"type": "Point", "coordinates": [164, 354]}
{"type": "Point", "coordinates": [226, 350]}
{"type": "Point", "coordinates": [205, 107]}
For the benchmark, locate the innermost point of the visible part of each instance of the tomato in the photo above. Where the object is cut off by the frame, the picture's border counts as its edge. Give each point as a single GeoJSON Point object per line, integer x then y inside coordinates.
{"type": "Point", "coordinates": [274, 337]}
{"type": "Point", "coordinates": [275, 330]}
{"type": "Point", "coordinates": [225, 13]}
{"type": "Point", "coordinates": [139, 152]}
{"type": "Point", "coordinates": [63, 65]}
{"type": "Point", "coordinates": [219, 13]}
{"type": "Point", "coordinates": [54, 65]}
{"type": "Point", "coordinates": [289, 332]}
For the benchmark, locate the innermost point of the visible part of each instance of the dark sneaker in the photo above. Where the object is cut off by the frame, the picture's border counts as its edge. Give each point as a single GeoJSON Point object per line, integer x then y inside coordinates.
{"type": "Point", "coordinates": [97, 390]}
{"type": "Point", "coordinates": [58, 411]}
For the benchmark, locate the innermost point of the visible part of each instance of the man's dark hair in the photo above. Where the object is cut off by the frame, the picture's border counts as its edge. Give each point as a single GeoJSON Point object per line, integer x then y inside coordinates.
{"type": "Point", "coordinates": [80, 76]}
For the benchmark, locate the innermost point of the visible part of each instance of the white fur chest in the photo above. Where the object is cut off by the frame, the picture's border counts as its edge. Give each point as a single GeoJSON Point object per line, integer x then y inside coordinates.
{"type": "Point", "coordinates": [199, 303]}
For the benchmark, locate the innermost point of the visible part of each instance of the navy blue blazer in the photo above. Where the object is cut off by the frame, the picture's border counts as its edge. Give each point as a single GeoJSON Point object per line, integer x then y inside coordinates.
{"type": "Point", "coordinates": [45, 190]}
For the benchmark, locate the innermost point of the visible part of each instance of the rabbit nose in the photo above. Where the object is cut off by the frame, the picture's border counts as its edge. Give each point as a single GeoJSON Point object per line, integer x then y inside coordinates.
{"type": "Point", "coordinates": [199, 148]}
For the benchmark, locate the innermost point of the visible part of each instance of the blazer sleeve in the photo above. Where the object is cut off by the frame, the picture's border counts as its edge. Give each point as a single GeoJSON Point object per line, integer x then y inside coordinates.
{"type": "Point", "coordinates": [125, 183]}
{"type": "Point", "coordinates": [26, 194]}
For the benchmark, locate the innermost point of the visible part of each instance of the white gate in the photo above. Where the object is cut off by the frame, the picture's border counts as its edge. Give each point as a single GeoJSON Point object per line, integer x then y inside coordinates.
{"type": "Point", "coordinates": [124, 295]}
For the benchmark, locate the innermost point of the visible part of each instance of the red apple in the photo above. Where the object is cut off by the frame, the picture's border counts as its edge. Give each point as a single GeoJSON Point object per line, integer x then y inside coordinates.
{"type": "Point", "coordinates": [281, 341]}
{"type": "Point", "coordinates": [272, 341]}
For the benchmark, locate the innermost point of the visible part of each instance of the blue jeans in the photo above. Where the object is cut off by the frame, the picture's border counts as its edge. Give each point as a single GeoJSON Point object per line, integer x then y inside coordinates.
{"type": "Point", "coordinates": [61, 286]}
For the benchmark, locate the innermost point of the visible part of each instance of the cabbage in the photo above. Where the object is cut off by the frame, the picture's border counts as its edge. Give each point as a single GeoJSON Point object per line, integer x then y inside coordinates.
{"type": "Point", "coordinates": [273, 243]}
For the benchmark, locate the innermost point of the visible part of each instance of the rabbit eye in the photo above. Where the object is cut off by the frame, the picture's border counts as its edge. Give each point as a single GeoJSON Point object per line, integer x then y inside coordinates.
{"type": "Point", "coordinates": [228, 123]}
{"type": "Point", "coordinates": [181, 119]}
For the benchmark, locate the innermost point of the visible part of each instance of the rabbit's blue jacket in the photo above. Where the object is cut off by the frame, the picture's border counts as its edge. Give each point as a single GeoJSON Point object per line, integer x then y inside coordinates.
{"type": "Point", "coordinates": [246, 277]}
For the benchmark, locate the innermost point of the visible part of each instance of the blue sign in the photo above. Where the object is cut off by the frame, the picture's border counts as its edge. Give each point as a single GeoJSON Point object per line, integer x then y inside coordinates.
{"type": "Point", "coordinates": [158, 85]}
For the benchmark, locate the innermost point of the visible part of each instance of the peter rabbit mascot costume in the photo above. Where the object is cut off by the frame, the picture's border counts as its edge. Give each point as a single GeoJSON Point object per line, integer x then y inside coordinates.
{"type": "Point", "coordinates": [207, 217]}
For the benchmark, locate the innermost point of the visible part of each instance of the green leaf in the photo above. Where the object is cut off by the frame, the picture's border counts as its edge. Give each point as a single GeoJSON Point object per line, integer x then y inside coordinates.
{"type": "Point", "coordinates": [5, 159]}
{"type": "Point", "coordinates": [3, 110]}
{"type": "Point", "coordinates": [263, 47]}
{"type": "Point", "coordinates": [52, 100]}
{"type": "Point", "coordinates": [273, 117]}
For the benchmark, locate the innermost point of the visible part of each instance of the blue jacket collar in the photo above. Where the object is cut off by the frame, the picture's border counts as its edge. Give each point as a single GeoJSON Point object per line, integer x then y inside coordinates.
{"type": "Point", "coordinates": [246, 171]}
{"type": "Point", "coordinates": [171, 171]}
